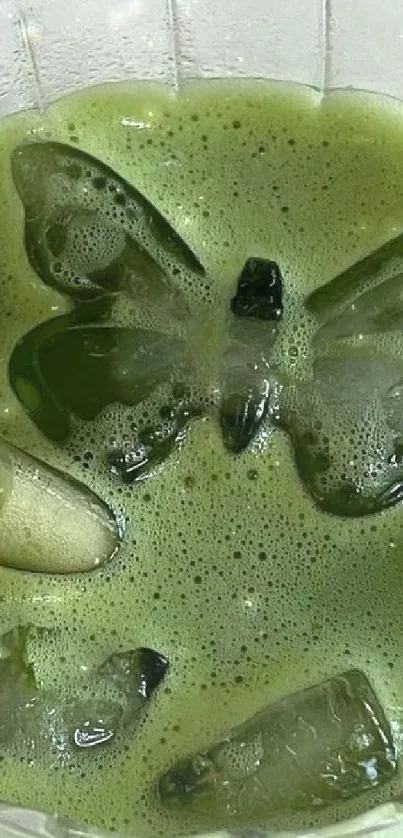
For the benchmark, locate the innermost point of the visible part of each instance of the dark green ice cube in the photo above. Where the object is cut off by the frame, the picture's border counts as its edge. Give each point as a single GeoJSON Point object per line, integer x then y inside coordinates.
{"type": "Point", "coordinates": [241, 415]}
{"type": "Point", "coordinates": [63, 367]}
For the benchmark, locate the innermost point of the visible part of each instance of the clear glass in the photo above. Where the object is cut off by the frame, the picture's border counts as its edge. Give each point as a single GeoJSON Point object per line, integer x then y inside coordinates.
{"type": "Point", "coordinates": [50, 48]}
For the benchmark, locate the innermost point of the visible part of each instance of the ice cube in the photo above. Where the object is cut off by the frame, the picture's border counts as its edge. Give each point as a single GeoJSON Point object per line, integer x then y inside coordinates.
{"type": "Point", "coordinates": [375, 311]}
{"type": "Point", "coordinates": [393, 401]}
{"type": "Point", "coordinates": [345, 444]}
{"type": "Point", "coordinates": [18, 689]}
{"type": "Point", "coordinates": [97, 730]}
{"type": "Point", "coordinates": [78, 722]}
{"type": "Point", "coordinates": [247, 382]}
{"type": "Point", "coordinates": [103, 702]}
{"type": "Point", "coordinates": [63, 367]}
{"type": "Point", "coordinates": [89, 232]}
{"type": "Point", "coordinates": [367, 273]}
{"type": "Point", "coordinates": [89, 367]}
{"type": "Point", "coordinates": [6, 476]}
{"type": "Point", "coordinates": [29, 719]}
{"type": "Point", "coordinates": [130, 462]}
{"type": "Point", "coordinates": [153, 669]}
{"type": "Point", "coordinates": [124, 684]}
{"type": "Point", "coordinates": [319, 746]}
{"type": "Point", "coordinates": [241, 415]}
{"type": "Point", "coordinates": [29, 385]}
{"type": "Point", "coordinates": [259, 291]}
{"type": "Point", "coordinates": [154, 445]}
{"type": "Point", "coordinates": [136, 674]}
{"type": "Point", "coordinates": [51, 523]}
{"type": "Point", "coordinates": [100, 258]}
{"type": "Point", "coordinates": [346, 430]}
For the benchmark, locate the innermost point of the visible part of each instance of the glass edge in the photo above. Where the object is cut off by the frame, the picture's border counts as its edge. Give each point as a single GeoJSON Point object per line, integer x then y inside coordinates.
{"type": "Point", "coordinates": [385, 821]}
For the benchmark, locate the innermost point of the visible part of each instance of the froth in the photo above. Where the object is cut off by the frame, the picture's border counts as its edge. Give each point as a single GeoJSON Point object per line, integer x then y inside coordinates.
{"type": "Point", "coordinates": [227, 567]}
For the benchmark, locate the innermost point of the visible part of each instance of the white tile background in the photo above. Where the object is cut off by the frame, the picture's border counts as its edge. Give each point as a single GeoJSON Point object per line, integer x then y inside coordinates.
{"type": "Point", "coordinates": [48, 48]}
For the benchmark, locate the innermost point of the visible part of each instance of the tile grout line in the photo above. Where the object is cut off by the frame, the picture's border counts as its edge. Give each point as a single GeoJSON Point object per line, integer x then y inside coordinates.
{"type": "Point", "coordinates": [327, 46]}
{"type": "Point", "coordinates": [172, 18]}
{"type": "Point", "coordinates": [28, 48]}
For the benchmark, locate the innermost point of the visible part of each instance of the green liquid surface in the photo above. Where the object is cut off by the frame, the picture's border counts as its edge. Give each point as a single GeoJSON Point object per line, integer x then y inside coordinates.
{"type": "Point", "coordinates": [227, 567]}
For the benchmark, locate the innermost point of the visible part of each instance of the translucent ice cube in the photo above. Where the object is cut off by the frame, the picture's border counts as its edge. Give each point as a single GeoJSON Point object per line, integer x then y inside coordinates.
{"type": "Point", "coordinates": [18, 690]}
{"type": "Point", "coordinates": [51, 523]}
{"type": "Point", "coordinates": [121, 690]}
{"type": "Point", "coordinates": [246, 381]}
{"type": "Point", "coordinates": [345, 442]}
{"type": "Point", "coordinates": [319, 746]}
{"type": "Point", "coordinates": [104, 702]}
{"type": "Point", "coordinates": [64, 367]}
{"type": "Point", "coordinates": [375, 311]}
{"type": "Point", "coordinates": [88, 232]}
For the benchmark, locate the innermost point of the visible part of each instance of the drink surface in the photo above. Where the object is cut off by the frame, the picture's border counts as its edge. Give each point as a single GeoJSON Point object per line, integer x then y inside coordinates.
{"type": "Point", "coordinates": [229, 566]}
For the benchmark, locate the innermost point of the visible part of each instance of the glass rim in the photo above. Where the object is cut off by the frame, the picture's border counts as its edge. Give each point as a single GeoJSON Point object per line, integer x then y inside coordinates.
{"type": "Point", "coordinates": [384, 821]}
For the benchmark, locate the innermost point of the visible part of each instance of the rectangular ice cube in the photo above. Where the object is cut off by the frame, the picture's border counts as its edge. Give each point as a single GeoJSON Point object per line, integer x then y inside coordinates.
{"type": "Point", "coordinates": [319, 746]}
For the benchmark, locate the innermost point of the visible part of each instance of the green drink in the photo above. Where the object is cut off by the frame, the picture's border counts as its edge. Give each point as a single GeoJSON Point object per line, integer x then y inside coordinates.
{"type": "Point", "coordinates": [175, 337]}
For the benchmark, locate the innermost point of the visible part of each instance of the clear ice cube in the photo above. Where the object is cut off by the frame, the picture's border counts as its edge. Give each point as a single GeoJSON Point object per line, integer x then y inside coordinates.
{"type": "Point", "coordinates": [246, 381]}
{"type": "Point", "coordinates": [18, 691]}
{"type": "Point", "coordinates": [51, 523]}
{"type": "Point", "coordinates": [330, 299]}
{"type": "Point", "coordinates": [63, 367]}
{"type": "Point", "coordinates": [375, 311]}
{"type": "Point", "coordinates": [88, 232]}
{"type": "Point", "coordinates": [105, 702]}
{"type": "Point", "coordinates": [319, 746]}
{"type": "Point", "coordinates": [345, 432]}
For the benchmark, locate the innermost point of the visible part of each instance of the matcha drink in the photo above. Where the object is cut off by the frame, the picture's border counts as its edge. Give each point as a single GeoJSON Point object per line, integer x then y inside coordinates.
{"type": "Point", "coordinates": [201, 473]}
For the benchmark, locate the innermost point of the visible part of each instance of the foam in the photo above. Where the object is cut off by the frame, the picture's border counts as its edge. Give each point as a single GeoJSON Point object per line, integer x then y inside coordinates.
{"type": "Point", "coordinates": [227, 567]}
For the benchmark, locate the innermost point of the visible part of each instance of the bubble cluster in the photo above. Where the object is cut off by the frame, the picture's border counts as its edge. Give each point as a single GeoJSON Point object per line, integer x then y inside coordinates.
{"type": "Point", "coordinates": [89, 244]}
{"type": "Point", "coordinates": [228, 568]}
{"type": "Point", "coordinates": [87, 231]}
